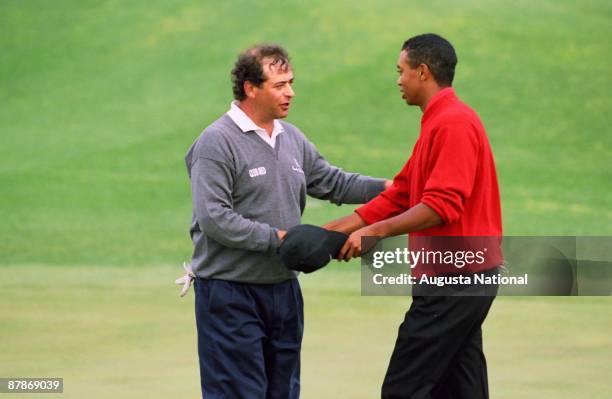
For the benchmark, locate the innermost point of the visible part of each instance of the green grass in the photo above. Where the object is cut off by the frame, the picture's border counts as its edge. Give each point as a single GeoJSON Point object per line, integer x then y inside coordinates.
{"type": "Point", "coordinates": [99, 100]}
{"type": "Point", "coordinates": [125, 333]}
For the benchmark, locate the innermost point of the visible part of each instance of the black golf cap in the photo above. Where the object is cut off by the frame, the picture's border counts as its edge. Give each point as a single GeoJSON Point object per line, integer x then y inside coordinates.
{"type": "Point", "coordinates": [307, 248]}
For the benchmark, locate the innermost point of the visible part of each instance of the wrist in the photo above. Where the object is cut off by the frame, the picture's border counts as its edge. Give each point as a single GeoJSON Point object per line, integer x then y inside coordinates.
{"type": "Point", "coordinates": [376, 230]}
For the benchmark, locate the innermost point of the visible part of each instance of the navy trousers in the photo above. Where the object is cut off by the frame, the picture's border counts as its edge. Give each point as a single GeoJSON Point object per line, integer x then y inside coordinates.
{"type": "Point", "coordinates": [249, 339]}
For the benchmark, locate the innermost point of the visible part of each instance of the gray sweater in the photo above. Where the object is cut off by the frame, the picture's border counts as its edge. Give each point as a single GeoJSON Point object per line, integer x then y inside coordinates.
{"type": "Point", "coordinates": [244, 191]}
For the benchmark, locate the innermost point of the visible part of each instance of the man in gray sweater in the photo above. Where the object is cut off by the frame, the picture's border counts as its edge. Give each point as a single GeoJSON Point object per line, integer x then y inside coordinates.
{"type": "Point", "coordinates": [250, 173]}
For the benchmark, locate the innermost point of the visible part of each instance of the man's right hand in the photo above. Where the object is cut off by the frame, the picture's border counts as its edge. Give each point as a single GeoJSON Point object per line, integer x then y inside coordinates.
{"type": "Point", "coordinates": [281, 235]}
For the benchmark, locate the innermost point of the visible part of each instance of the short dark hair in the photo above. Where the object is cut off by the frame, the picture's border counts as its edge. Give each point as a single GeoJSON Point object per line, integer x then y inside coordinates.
{"type": "Point", "coordinates": [249, 66]}
{"type": "Point", "coordinates": [434, 51]}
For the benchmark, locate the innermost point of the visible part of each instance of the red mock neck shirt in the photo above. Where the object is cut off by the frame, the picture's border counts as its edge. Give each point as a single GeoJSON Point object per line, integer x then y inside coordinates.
{"type": "Point", "coordinates": [451, 170]}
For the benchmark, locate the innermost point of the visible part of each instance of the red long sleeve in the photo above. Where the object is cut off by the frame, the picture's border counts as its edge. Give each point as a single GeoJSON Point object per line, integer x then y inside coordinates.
{"type": "Point", "coordinates": [390, 202]}
{"type": "Point", "coordinates": [451, 170]}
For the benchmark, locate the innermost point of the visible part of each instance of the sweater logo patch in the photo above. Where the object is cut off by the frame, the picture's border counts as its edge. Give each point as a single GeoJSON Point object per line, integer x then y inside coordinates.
{"type": "Point", "coordinates": [257, 171]}
{"type": "Point", "coordinates": [296, 166]}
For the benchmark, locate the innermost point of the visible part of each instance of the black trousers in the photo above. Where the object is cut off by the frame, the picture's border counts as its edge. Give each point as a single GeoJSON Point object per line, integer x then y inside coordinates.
{"type": "Point", "coordinates": [438, 353]}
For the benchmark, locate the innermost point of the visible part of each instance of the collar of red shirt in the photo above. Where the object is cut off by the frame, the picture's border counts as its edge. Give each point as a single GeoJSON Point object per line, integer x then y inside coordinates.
{"type": "Point", "coordinates": [436, 101]}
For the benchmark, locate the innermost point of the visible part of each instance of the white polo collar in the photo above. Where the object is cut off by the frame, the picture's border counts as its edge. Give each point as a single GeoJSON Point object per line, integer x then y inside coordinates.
{"type": "Point", "coordinates": [246, 124]}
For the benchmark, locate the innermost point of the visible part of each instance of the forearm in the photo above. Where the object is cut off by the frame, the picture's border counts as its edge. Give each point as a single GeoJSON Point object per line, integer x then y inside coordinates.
{"type": "Point", "coordinates": [346, 224]}
{"type": "Point", "coordinates": [233, 230]}
{"type": "Point", "coordinates": [359, 189]}
{"type": "Point", "coordinates": [340, 187]}
{"type": "Point", "coordinates": [328, 182]}
{"type": "Point", "coordinates": [419, 217]}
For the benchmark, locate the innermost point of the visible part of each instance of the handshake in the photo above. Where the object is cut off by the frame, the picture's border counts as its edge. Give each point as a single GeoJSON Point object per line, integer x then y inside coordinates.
{"type": "Point", "coordinates": [304, 248]}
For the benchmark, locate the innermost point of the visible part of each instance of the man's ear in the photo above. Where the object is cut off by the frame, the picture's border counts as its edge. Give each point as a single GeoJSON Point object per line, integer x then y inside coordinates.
{"type": "Point", "coordinates": [249, 89]}
{"type": "Point", "coordinates": [424, 72]}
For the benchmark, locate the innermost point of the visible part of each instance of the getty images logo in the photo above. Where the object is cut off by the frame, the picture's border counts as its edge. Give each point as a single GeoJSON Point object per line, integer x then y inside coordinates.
{"type": "Point", "coordinates": [257, 172]}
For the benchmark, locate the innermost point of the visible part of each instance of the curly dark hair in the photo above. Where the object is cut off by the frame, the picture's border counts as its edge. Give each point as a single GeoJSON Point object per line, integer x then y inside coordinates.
{"type": "Point", "coordinates": [434, 51]}
{"type": "Point", "coordinates": [249, 68]}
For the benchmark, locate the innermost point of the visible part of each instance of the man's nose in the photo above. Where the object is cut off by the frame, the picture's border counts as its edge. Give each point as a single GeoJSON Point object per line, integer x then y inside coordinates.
{"type": "Point", "coordinates": [289, 92]}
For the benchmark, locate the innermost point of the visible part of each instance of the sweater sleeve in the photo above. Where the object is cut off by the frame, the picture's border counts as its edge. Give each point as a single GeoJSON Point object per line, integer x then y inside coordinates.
{"type": "Point", "coordinates": [451, 170]}
{"type": "Point", "coordinates": [328, 182]}
{"type": "Point", "coordinates": [212, 179]}
{"type": "Point", "coordinates": [390, 202]}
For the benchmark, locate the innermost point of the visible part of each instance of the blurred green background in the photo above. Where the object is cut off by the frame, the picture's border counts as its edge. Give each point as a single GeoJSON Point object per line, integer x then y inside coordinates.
{"type": "Point", "coordinates": [99, 101]}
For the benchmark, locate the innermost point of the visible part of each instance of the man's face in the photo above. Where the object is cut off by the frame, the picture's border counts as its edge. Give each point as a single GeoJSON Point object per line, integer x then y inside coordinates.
{"type": "Point", "coordinates": [273, 98]}
{"type": "Point", "coordinates": [409, 79]}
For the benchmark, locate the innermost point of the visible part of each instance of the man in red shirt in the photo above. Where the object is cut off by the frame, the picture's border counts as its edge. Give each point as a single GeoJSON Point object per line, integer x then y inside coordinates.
{"type": "Point", "coordinates": [447, 188]}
